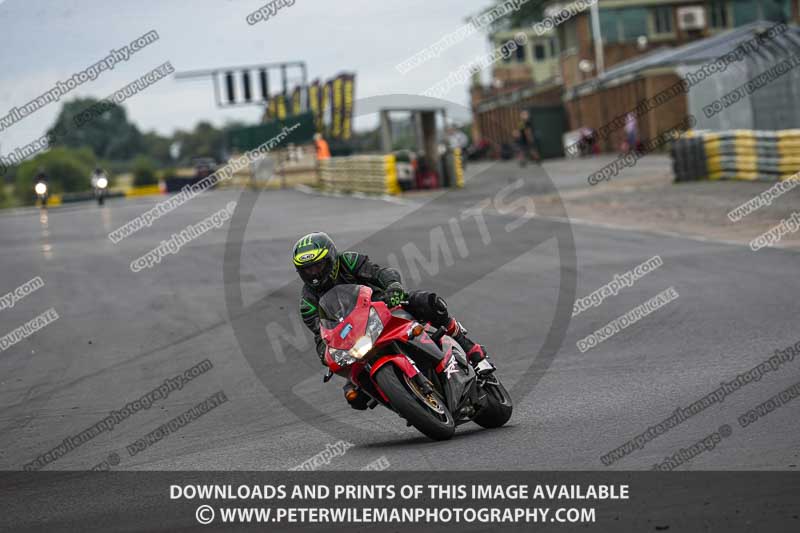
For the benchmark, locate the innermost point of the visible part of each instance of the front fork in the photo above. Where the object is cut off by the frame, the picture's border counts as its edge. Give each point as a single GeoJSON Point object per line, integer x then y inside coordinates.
{"type": "Point", "coordinates": [406, 365]}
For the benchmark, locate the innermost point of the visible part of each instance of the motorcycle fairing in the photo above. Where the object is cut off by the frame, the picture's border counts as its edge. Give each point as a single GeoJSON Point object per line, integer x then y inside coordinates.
{"type": "Point", "coordinates": [457, 375]}
{"type": "Point", "coordinates": [401, 361]}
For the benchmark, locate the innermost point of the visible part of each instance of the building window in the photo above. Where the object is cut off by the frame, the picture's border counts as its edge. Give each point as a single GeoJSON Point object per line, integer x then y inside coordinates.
{"type": "Point", "coordinates": [521, 53]}
{"type": "Point", "coordinates": [506, 58]}
{"type": "Point", "coordinates": [539, 52]}
{"type": "Point", "coordinates": [620, 25]}
{"type": "Point", "coordinates": [719, 15]}
{"type": "Point", "coordinates": [744, 12]}
{"type": "Point", "coordinates": [662, 20]}
{"type": "Point", "coordinates": [632, 23]}
{"type": "Point", "coordinates": [609, 28]}
{"type": "Point", "coordinates": [569, 36]}
{"type": "Point", "coordinates": [776, 10]}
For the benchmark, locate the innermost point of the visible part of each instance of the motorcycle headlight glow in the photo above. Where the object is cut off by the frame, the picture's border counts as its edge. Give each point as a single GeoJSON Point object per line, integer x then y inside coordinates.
{"type": "Point", "coordinates": [342, 357]}
{"type": "Point", "coordinates": [40, 188]}
{"type": "Point", "coordinates": [102, 183]}
{"type": "Point", "coordinates": [362, 345]}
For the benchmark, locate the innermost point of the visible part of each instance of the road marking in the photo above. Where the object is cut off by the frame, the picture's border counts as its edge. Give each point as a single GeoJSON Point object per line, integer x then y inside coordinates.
{"type": "Point", "coordinates": [305, 189]}
{"type": "Point", "coordinates": [664, 233]}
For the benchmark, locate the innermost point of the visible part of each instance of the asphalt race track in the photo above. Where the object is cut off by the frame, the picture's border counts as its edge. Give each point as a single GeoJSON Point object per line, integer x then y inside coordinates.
{"type": "Point", "coordinates": [121, 334]}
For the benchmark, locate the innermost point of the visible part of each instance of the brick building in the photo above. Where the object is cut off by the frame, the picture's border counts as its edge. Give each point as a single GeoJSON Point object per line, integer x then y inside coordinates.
{"type": "Point", "coordinates": [564, 61]}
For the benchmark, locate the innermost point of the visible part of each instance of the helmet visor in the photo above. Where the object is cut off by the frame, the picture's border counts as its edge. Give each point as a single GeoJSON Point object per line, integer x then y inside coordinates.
{"type": "Point", "coordinates": [316, 274]}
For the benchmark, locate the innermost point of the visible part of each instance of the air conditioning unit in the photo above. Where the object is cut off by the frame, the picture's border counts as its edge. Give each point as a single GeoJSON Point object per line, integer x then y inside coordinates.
{"type": "Point", "coordinates": [691, 18]}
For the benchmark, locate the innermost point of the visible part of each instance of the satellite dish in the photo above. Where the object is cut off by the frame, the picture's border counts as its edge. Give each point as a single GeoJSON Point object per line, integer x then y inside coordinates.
{"type": "Point", "coordinates": [585, 66]}
{"type": "Point", "coordinates": [641, 42]}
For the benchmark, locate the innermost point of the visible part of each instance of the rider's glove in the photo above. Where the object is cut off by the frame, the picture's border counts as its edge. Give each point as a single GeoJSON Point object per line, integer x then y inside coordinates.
{"type": "Point", "coordinates": [394, 294]}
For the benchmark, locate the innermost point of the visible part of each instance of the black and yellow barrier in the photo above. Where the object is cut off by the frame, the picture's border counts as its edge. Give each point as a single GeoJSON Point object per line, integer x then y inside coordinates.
{"type": "Point", "coordinates": [371, 174]}
{"type": "Point", "coordinates": [737, 155]}
{"type": "Point", "coordinates": [144, 190]}
{"type": "Point", "coordinates": [377, 174]}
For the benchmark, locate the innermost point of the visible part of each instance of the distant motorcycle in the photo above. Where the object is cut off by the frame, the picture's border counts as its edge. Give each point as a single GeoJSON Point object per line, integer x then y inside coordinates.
{"type": "Point", "coordinates": [41, 192]}
{"type": "Point", "coordinates": [101, 189]}
{"type": "Point", "coordinates": [392, 358]}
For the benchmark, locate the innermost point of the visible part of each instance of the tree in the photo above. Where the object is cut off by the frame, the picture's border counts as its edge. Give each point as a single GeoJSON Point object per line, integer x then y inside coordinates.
{"type": "Point", "coordinates": [67, 170]}
{"type": "Point", "coordinates": [109, 134]}
{"type": "Point", "coordinates": [144, 171]}
{"type": "Point", "coordinates": [204, 141]}
{"type": "Point", "coordinates": [157, 147]}
{"type": "Point", "coordinates": [366, 141]}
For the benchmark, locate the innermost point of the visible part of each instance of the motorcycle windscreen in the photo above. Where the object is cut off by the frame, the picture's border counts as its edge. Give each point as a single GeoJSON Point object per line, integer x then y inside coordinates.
{"type": "Point", "coordinates": [337, 304]}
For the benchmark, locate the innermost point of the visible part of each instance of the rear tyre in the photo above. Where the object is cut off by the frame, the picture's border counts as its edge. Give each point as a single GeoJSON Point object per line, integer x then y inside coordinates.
{"type": "Point", "coordinates": [428, 414]}
{"type": "Point", "coordinates": [498, 405]}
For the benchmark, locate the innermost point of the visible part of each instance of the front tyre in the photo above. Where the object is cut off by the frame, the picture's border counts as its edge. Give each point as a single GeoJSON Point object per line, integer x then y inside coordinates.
{"type": "Point", "coordinates": [498, 406]}
{"type": "Point", "coordinates": [426, 413]}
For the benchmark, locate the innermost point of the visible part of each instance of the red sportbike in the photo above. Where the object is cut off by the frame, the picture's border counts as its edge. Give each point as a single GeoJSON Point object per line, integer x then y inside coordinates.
{"type": "Point", "coordinates": [411, 368]}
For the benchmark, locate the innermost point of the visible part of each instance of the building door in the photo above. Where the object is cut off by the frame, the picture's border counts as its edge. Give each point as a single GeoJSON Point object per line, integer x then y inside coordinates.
{"type": "Point", "coordinates": [549, 125]}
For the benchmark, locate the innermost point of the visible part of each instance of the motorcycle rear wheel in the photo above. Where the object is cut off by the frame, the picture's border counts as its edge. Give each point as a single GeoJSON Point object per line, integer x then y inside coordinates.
{"type": "Point", "coordinates": [498, 407]}
{"type": "Point", "coordinates": [428, 414]}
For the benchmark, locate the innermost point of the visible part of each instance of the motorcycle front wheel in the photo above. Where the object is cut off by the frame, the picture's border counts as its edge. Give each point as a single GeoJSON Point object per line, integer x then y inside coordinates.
{"type": "Point", "coordinates": [428, 414]}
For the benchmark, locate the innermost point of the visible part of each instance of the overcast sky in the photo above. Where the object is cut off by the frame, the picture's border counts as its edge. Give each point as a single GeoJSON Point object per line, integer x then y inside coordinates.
{"type": "Point", "coordinates": [44, 41]}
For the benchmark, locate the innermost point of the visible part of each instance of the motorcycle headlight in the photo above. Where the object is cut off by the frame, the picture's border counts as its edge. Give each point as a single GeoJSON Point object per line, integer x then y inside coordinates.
{"type": "Point", "coordinates": [362, 345]}
{"type": "Point", "coordinates": [102, 183]}
{"type": "Point", "coordinates": [40, 188]}
{"type": "Point", "coordinates": [342, 357]}
{"type": "Point", "coordinates": [374, 325]}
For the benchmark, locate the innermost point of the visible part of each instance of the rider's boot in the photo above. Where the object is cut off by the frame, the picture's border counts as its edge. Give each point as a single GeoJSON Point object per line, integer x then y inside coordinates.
{"type": "Point", "coordinates": [476, 353]}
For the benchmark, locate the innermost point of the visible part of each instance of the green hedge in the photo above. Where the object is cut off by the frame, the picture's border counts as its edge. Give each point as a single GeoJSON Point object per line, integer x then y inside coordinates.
{"type": "Point", "coordinates": [144, 171]}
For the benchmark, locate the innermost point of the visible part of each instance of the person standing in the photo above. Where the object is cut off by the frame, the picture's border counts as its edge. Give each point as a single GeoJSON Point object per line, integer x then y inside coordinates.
{"type": "Point", "coordinates": [526, 141]}
{"type": "Point", "coordinates": [323, 151]}
{"type": "Point", "coordinates": [631, 133]}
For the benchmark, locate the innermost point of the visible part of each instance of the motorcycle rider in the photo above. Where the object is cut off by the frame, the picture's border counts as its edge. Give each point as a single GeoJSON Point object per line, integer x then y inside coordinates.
{"type": "Point", "coordinates": [41, 176]}
{"type": "Point", "coordinates": [321, 268]}
{"type": "Point", "coordinates": [96, 175]}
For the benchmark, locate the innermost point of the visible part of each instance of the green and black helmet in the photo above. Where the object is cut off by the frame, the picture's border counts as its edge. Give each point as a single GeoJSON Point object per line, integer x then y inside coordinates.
{"type": "Point", "coordinates": [316, 260]}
